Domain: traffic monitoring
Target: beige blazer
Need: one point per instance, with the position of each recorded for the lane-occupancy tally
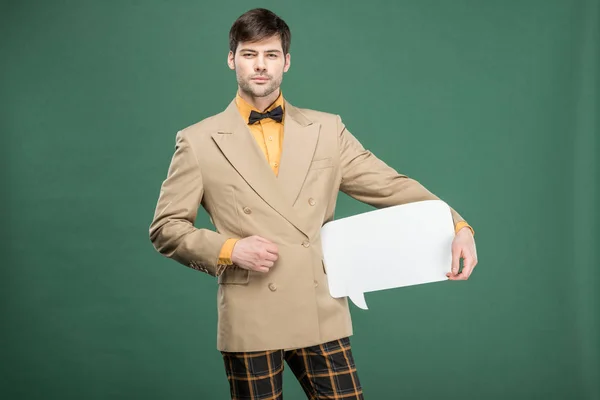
(218, 164)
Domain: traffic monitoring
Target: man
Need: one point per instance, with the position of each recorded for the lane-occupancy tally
(268, 174)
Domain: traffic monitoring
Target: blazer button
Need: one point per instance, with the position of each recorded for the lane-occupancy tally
(316, 283)
(272, 287)
(312, 201)
(247, 210)
(306, 243)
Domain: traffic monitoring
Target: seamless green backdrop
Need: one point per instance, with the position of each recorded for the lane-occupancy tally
(492, 105)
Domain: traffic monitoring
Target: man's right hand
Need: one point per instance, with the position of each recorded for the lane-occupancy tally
(255, 253)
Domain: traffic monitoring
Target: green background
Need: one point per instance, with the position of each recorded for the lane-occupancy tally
(492, 105)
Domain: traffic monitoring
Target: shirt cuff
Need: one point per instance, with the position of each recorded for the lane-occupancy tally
(226, 251)
(463, 224)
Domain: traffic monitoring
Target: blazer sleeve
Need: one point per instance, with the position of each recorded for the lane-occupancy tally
(172, 230)
(369, 180)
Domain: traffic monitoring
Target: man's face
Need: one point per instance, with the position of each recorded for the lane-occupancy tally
(259, 66)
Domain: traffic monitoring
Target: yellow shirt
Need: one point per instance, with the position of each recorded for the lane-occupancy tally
(269, 136)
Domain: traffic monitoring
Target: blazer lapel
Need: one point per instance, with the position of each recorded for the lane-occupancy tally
(241, 150)
(299, 143)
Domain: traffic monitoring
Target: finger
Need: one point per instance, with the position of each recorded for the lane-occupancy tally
(453, 277)
(459, 277)
(272, 248)
(255, 267)
(456, 253)
(468, 265)
(262, 239)
(271, 257)
(267, 264)
(465, 273)
(261, 269)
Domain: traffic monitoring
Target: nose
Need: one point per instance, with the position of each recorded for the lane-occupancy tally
(260, 66)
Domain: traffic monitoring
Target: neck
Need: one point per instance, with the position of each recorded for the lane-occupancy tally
(260, 103)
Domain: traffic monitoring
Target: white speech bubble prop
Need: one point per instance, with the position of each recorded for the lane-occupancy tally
(397, 246)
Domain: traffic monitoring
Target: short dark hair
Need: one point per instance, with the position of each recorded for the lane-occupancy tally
(258, 24)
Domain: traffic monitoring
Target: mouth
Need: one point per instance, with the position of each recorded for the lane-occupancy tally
(260, 79)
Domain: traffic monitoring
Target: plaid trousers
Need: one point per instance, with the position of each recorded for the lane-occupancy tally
(325, 371)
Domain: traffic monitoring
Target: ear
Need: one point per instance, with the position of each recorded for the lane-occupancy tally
(287, 62)
(230, 60)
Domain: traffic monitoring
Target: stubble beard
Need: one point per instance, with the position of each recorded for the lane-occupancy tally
(259, 91)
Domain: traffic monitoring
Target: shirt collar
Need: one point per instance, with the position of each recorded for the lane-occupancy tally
(244, 108)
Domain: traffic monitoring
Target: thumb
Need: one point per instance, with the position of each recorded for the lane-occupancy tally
(455, 260)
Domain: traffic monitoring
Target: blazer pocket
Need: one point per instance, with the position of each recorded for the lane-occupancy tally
(322, 163)
(234, 275)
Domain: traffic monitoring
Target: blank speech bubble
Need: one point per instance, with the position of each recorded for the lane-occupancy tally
(397, 246)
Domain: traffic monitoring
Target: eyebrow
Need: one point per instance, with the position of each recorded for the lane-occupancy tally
(266, 51)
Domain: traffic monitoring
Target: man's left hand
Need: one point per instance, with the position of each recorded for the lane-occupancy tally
(463, 246)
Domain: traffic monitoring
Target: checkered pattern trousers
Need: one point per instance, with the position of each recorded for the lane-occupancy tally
(325, 371)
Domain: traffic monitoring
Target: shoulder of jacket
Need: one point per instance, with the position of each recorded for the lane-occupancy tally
(316, 115)
(201, 128)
